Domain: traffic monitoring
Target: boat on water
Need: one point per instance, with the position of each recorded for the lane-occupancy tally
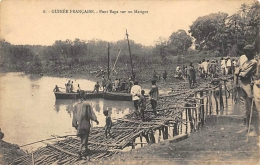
(87, 95)
(117, 96)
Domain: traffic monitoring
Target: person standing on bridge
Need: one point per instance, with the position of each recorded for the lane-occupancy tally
(243, 80)
(136, 92)
(154, 96)
(82, 114)
(142, 104)
(191, 75)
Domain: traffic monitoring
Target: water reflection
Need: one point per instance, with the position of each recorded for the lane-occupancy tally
(30, 102)
(115, 108)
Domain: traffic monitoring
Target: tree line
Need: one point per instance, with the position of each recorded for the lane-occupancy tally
(216, 32)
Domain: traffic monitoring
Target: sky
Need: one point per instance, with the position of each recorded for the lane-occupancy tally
(35, 22)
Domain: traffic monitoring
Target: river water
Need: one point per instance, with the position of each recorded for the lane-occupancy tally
(29, 111)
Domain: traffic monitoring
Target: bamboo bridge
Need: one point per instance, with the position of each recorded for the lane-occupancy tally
(183, 111)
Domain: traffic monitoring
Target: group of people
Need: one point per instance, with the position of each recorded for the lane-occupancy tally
(139, 98)
(116, 86)
(83, 113)
(208, 68)
(227, 65)
(69, 87)
(211, 68)
(157, 77)
(246, 78)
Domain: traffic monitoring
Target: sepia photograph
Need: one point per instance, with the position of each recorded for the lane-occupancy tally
(129, 82)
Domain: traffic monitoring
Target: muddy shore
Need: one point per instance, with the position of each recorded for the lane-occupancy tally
(9, 152)
(216, 144)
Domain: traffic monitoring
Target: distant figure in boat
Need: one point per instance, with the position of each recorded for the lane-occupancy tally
(68, 86)
(130, 84)
(154, 96)
(108, 123)
(71, 87)
(142, 104)
(56, 89)
(80, 92)
(1, 134)
(82, 114)
(116, 85)
(136, 92)
(122, 87)
(109, 86)
(103, 83)
(79, 89)
(96, 87)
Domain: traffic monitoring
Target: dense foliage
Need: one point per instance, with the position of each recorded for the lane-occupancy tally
(217, 31)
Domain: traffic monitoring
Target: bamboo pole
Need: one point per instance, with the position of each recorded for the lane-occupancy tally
(210, 102)
(190, 119)
(221, 104)
(60, 149)
(202, 116)
(32, 159)
(130, 55)
(216, 101)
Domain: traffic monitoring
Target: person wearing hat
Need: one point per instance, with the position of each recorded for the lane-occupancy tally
(244, 77)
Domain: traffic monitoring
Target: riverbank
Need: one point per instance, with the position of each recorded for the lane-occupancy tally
(213, 144)
(9, 152)
(86, 74)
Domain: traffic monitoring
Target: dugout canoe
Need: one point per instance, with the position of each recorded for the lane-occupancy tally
(88, 95)
(117, 96)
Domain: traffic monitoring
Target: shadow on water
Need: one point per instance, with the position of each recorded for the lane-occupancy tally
(117, 109)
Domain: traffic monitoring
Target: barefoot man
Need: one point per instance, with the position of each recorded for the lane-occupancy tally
(82, 114)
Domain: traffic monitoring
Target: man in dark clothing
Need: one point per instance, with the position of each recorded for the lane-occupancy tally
(109, 86)
(164, 75)
(154, 96)
(56, 89)
(96, 87)
(108, 123)
(191, 75)
(142, 104)
(82, 114)
(123, 85)
(155, 75)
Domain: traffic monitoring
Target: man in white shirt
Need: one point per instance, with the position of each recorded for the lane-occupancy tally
(136, 92)
(228, 66)
(223, 66)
